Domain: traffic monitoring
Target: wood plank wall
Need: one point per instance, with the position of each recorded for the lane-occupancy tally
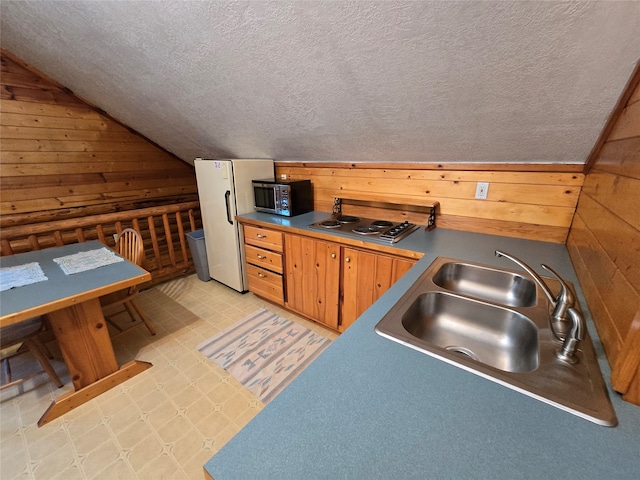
(62, 158)
(604, 242)
(526, 201)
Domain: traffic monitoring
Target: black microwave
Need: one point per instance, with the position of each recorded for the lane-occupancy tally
(283, 197)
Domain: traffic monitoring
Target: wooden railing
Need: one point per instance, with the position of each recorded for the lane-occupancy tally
(162, 228)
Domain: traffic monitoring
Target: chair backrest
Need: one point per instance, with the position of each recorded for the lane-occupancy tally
(19, 332)
(130, 246)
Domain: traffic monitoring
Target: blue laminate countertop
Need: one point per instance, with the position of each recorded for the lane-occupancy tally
(371, 408)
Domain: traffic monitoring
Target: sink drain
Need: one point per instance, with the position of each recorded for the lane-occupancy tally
(462, 351)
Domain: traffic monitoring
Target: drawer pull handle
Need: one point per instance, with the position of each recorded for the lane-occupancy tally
(347, 259)
(262, 275)
(260, 236)
(333, 255)
(261, 256)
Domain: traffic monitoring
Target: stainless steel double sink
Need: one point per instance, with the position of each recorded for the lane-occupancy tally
(495, 323)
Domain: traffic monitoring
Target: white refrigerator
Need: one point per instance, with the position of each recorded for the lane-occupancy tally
(225, 190)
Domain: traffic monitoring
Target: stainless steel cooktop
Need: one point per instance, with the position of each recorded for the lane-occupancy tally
(384, 230)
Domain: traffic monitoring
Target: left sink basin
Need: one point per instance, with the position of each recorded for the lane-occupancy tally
(495, 336)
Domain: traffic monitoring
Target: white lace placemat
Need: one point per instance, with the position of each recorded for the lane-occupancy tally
(21, 275)
(83, 261)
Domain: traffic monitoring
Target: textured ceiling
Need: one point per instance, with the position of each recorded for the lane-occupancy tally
(388, 81)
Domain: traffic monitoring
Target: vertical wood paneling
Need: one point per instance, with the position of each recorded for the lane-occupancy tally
(359, 271)
(313, 275)
(366, 277)
(604, 243)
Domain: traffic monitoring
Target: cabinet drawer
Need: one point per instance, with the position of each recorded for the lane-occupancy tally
(265, 284)
(262, 237)
(264, 258)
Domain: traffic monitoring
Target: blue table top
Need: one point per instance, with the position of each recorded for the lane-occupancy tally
(58, 285)
(371, 408)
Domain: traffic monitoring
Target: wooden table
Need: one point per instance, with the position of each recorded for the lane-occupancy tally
(72, 305)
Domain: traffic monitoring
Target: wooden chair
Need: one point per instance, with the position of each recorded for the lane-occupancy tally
(22, 337)
(129, 246)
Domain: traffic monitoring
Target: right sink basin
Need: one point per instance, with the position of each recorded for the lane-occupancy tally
(494, 323)
(487, 283)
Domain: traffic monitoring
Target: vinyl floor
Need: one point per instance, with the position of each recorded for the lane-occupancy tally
(164, 423)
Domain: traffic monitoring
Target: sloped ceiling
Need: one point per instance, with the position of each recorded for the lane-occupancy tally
(388, 81)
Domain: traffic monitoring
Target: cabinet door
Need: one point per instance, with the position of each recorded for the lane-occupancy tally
(313, 278)
(366, 276)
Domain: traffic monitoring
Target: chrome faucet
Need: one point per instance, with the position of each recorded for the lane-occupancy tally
(573, 338)
(561, 304)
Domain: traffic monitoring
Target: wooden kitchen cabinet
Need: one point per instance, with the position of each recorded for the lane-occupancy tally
(365, 277)
(313, 278)
(333, 284)
(263, 255)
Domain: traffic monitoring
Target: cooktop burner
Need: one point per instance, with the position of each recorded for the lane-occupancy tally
(348, 219)
(384, 230)
(367, 229)
(382, 223)
(330, 224)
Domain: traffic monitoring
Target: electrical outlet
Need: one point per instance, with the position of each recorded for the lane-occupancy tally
(482, 188)
(283, 176)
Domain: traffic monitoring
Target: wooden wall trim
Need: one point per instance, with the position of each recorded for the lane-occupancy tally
(626, 370)
(481, 167)
(41, 76)
(627, 93)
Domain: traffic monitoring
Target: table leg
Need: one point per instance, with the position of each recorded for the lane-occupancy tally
(82, 334)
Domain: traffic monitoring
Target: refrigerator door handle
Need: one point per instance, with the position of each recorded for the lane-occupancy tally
(226, 201)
